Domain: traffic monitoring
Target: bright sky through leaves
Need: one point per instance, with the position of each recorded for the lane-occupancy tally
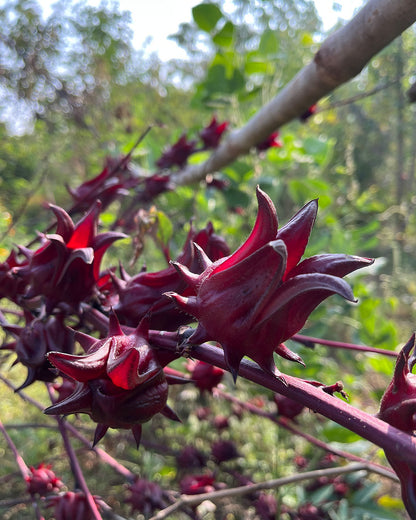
(153, 22)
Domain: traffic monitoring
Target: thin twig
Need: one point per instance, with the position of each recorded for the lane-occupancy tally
(24, 470)
(214, 496)
(75, 466)
(290, 426)
(24, 205)
(357, 97)
(300, 338)
(104, 456)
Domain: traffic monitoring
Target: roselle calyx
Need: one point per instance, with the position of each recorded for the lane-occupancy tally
(177, 154)
(260, 296)
(211, 135)
(12, 287)
(205, 376)
(143, 293)
(34, 341)
(42, 480)
(65, 269)
(73, 505)
(146, 496)
(398, 408)
(120, 381)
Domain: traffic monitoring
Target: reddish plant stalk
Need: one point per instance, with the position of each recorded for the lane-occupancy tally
(24, 470)
(378, 432)
(75, 466)
(340, 344)
(104, 456)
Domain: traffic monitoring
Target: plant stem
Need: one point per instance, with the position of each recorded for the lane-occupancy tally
(104, 456)
(340, 344)
(291, 427)
(75, 466)
(398, 443)
(193, 500)
(24, 470)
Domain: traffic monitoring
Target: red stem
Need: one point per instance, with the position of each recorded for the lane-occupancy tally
(104, 456)
(24, 470)
(340, 344)
(398, 443)
(75, 466)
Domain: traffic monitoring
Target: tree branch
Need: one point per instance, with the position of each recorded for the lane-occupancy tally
(193, 500)
(341, 57)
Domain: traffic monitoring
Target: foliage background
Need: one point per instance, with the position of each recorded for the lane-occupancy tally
(82, 93)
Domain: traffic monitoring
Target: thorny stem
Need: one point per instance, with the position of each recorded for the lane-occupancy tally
(300, 338)
(75, 466)
(398, 443)
(193, 500)
(291, 427)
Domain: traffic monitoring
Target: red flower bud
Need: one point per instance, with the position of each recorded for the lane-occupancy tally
(66, 267)
(42, 480)
(121, 383)
(107, 186)
(287, 407)
(144, 292)
(266, 506)
(398, 408)
(197, 484)
(205, 376)
(146, 497)
(308, 113)
(154, 186)
(224, 450)
(190, 457)
(11, 286)
(73, 506)
(255, 299)
(271, 142)
(35, 340)
(178, 154)
(211, 134)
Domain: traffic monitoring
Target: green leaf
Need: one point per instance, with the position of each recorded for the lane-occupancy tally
(224, 36)
(236, 198)
(206, 16)
(365, 494)
(336, 433)
(165, 228)
(269, 44)
(322, 494)
(257, 67)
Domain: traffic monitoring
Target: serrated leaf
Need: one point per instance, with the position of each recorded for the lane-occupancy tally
(206, 16)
